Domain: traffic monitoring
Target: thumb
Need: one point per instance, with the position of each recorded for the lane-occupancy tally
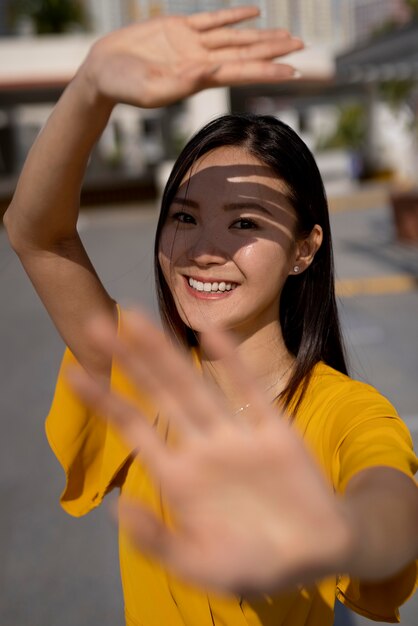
(146, 531)
(153, 538)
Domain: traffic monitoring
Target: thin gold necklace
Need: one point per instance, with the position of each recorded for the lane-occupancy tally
(244, 407)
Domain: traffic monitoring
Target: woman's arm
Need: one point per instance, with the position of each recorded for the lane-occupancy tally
(148, 64)
(41, 220)
(382, 508)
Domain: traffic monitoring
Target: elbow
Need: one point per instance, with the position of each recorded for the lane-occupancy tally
(13, 225)
(28, 233)
(8, 227)
(23, 233)
(13, 231)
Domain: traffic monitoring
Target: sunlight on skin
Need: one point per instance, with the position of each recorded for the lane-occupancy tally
(232, 221)
(204, 238)
(229, 528)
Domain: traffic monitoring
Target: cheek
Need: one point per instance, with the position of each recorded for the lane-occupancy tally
(167, 250)
(173, 243)
(247, 254)
(164, 263)
(166, 242)
(263, 258)
(172, 254)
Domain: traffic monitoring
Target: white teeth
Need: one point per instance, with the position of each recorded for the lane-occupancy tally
(210, 287)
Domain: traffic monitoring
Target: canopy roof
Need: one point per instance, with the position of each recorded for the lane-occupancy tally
(391, 56)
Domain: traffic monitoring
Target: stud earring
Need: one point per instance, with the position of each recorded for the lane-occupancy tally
(296, 269)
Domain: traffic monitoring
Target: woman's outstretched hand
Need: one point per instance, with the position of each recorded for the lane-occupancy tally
(160, 61)
(251, 510)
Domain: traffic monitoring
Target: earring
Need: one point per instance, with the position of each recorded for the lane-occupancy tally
(296, 269)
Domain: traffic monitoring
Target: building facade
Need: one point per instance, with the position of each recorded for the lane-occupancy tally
(149, 8)
(336, 24)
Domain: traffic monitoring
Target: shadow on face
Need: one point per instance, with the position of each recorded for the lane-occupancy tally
(229, 192)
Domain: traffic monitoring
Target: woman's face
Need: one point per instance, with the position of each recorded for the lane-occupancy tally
(228, 243)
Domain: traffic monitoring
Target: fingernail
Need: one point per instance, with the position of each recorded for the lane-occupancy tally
(296, 74)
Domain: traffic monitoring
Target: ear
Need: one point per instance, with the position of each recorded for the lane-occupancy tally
(305, 250)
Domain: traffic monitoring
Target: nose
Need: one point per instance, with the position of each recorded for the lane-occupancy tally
(205, 250)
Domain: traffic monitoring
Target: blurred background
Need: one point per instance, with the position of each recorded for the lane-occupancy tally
(356, 106)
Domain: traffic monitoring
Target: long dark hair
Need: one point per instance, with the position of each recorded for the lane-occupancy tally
(308, 309)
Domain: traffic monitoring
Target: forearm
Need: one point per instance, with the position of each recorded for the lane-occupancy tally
(382, 506)
(45, 206)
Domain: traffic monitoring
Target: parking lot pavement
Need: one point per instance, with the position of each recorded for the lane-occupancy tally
(377, 280)
(379, 311)
(57, 570)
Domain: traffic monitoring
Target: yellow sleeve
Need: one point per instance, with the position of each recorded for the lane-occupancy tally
(376, 441)
(379, 437)
(88, 449)
(378, 601)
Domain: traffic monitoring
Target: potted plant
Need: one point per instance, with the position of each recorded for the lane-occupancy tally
(349, 134)
(404, 194)
(404, 198)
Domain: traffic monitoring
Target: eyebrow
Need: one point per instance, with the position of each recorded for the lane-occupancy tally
(185, 202)
(231, 206)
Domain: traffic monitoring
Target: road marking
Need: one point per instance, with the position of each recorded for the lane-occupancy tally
(358, 199)
(374, 285)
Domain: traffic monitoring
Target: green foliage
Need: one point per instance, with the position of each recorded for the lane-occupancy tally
(52, 16)
(391, 25)
(386, 27)
(350, 131)
(397, 92)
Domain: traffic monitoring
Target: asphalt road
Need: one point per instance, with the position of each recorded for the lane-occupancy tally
(58, 571)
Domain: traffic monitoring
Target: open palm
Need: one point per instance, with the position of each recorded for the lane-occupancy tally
(159, 61)
(250, 508)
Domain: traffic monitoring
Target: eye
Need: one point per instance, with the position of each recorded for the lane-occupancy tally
(183, 217)
(244, 223)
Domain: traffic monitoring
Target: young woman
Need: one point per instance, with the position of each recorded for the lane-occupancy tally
(258, 481)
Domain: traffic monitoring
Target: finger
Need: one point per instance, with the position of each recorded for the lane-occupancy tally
(270, 49)
(169, 376)
(132, 425)
(215, 19)
(250, 73)
(162, 372)
(173, 551)
(223, 37)
(147, 531)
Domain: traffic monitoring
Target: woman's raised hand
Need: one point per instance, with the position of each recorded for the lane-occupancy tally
(251, 510)
(162, 60)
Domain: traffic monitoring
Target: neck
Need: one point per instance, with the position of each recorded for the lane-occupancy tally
(265, 354)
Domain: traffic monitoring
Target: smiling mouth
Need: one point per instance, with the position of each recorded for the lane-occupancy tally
(211, 287)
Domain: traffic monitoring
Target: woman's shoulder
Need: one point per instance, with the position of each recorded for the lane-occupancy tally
(335, 401)
(350, 425)
(335, 386)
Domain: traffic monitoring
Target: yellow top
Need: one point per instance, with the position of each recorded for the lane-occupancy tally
(347, 424)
